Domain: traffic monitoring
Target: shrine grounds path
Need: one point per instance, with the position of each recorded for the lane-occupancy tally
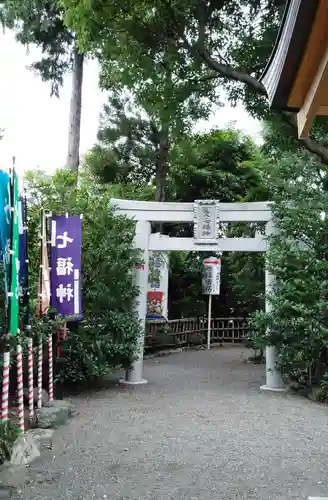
(201, 429)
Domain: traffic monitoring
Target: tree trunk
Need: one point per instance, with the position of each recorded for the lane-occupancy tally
(161, 165)
(74, 130)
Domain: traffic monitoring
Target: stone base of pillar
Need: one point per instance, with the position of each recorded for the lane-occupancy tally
(133, 375)
(123, 381)
(274, 380)
(273, 389)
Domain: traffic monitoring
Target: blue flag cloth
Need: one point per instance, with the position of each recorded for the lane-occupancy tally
(24, 298)
(5, 225)
(23, 270)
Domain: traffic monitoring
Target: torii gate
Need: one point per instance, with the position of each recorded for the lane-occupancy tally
(206, 216)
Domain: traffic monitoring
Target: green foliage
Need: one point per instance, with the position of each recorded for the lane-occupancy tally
(185, 298)
(298, 322)
(44, 326)
(201, 38)
(109, 333)
(9, 432)
(216, 165)
(246, 281)
(211, 45)
(129, 143)
(92, 350)
(281, 137)
(224, 165)
(136, 136)
(136, 146)
(323, 391)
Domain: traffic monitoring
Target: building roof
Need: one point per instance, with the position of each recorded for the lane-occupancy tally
(296, 76)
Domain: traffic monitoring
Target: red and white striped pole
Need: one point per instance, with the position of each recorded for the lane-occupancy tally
(39, 402)
(30, 379)
(51, 371)
(5, 386)
(20, 394)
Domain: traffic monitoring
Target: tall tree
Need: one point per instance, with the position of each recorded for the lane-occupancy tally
(129, 146)
(232, 39)
(171, 97)
(41, 23)
(137, 136)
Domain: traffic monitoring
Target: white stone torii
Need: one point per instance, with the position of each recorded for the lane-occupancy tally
(145, 212)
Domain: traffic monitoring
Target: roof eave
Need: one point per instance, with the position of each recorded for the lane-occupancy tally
(280, 73)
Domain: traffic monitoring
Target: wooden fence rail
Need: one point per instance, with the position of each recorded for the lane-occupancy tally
(194, 330)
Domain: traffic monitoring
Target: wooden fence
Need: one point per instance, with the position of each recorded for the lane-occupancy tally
(194, 331)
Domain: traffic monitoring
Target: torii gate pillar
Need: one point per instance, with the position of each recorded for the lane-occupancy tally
(274, 381)
(134, 375)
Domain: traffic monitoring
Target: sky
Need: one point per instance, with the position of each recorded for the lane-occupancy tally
(36, 125)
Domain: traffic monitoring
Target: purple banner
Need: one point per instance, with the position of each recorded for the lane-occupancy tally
(65, 261)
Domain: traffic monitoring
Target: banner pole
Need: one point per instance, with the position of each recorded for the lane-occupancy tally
(40, 353)
(30, 378)
(50, 366)
(50, 336)
(209, 321)
(5, 386)
(6, 354)
(10, 296)
(30, 360)
(20, 393)
(39, 400)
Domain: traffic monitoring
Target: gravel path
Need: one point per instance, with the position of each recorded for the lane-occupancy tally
(201, 429)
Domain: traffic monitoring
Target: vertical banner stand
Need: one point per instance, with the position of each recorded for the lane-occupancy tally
(20, 394)
(209, 319)
(14, 293)
(50, 337)
(5, 386)
(30, 378)
(40, 350)
(39, 400)
(30, 360)
(6, 354)
(51, 371)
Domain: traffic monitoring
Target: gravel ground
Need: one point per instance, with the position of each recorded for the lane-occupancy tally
(201, 429)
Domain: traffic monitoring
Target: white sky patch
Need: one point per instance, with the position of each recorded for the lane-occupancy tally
(36, 125)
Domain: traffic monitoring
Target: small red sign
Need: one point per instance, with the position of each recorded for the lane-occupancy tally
(215, 262)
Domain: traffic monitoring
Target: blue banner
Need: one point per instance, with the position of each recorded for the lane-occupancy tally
(5, 225)
(23, 268)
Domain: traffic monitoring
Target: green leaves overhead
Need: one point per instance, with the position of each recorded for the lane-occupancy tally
(128, 143)
(216, 165)
(231, 39)
(215, 44)
(298, 321)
